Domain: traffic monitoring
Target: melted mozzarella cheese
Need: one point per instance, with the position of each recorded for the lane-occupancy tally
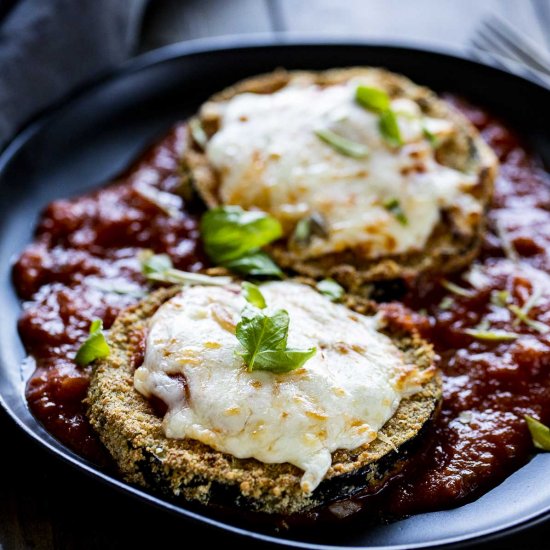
(339, 399)
(268, 157)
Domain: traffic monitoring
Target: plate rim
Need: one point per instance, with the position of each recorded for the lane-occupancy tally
(212, 45)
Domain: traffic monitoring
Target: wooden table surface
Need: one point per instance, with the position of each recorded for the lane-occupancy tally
(43, 503)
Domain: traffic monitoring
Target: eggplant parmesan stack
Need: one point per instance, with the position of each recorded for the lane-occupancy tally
(273, 399)
(371, 176)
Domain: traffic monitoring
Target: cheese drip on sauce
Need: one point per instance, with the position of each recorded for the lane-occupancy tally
(339, 399)
(268, 156)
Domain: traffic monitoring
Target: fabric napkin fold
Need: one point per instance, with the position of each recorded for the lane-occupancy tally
(48, 48)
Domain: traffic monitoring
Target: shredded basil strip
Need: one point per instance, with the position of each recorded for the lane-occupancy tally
(94, 347)
(342, 145)
(159, 268)
(539, 433)
(394, 207)
(372, 99)
(198, 133)
(492, 335)
(389, 128)
(455, 289)
(522, 317)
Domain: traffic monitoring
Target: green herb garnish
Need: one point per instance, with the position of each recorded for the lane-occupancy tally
(431, 137)
(539, 432)
(342, 145)
(308, 227)
(446, 303)
(159, 268)
(256, 264)
(522, 317)
(264, 341)
(253, 295)
(233, 237)
(389, 128)
(394, 207)
(112, 287)
(492, 335)
(506, 243)
(455, 289)
(198, 133)
(373, 99)
(331, 289)
(500, 298)
(94, 347)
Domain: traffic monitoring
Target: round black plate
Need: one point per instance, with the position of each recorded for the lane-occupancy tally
(92, 137)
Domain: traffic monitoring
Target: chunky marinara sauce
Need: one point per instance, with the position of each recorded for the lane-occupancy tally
(83, 264)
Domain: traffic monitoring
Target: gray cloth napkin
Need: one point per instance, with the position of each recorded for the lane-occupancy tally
(50, 47)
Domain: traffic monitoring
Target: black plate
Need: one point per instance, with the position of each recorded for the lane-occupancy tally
(90, 138)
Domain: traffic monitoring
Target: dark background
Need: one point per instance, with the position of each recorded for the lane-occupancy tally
(43, 503)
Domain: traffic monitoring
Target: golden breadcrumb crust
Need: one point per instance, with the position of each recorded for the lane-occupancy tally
(184, 468)
(449, 248)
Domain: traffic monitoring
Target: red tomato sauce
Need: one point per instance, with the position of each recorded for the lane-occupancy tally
(480, 435)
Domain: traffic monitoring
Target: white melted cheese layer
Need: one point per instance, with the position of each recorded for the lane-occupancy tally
(339, 399)
(268, 157)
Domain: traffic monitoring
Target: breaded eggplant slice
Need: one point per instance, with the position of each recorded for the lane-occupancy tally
(454, 240)
(186, 469)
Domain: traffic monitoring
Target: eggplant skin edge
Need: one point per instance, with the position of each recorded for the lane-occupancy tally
(188, 470)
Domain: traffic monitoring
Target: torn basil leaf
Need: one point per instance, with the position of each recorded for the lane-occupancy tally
(343, 145)
(373, 99)
(253, 295)
(264, 342)
(394, 207)
(389, 128)
(539, 432)
(94, 347)
(233, 237)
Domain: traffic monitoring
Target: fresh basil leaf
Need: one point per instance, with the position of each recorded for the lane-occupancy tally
(94, 347)
(229, 232)
(342, 145)
(372, 99)
(331, 289)
(256, 264)
(261, 332)
(264, 341)
(539, 432)
(253, 295)
(394, 207)
(389, 128)
(281, 361)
